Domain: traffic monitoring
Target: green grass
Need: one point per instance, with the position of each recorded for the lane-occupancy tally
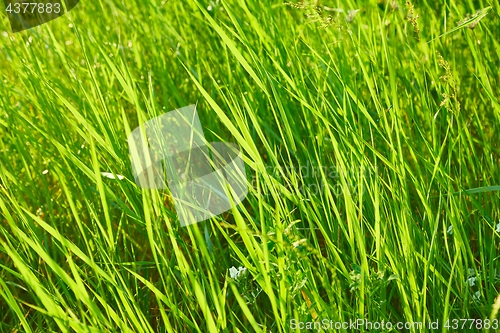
(371, 150)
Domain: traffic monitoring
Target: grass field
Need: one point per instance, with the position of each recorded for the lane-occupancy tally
(371, 146)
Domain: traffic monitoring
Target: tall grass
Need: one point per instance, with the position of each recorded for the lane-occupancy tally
(370, 147)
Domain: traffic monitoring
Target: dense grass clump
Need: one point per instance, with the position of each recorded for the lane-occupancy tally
(369, 130)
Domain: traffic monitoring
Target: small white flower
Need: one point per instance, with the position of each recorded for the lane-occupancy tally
(477, 296)
(44, 172)
(232, 272)
(471, 281)
(235, 273)
(450, 230)
(498, 228)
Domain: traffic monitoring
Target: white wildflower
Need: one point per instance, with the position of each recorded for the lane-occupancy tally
(477, 296)
(498, 228)
(235, 273)
(471, 281)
